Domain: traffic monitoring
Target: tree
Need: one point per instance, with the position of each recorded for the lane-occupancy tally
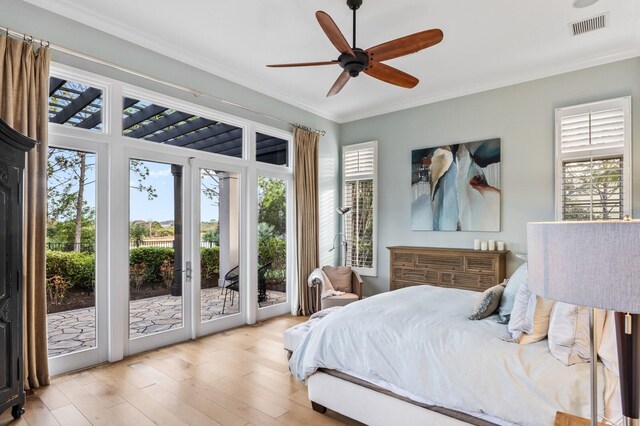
(211, 237)
(69, 174)
(210, 183)
(141, 172)
(137, 231)
(272, 199)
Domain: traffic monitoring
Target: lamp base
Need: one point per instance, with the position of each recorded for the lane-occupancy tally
(628, 338)
(627, 421)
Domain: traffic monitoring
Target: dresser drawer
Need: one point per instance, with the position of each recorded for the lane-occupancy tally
(421, 276)
(403, 259)
(448, 262)
(487, 264)
(467, 281)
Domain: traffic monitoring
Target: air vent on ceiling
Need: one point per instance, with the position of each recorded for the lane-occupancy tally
(590, 24)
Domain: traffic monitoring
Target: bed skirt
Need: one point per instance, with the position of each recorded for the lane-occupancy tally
(373, 405)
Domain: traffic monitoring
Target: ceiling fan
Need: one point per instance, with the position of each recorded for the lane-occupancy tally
(354, 60)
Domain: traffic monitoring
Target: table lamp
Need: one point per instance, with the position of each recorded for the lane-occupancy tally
(597, 265)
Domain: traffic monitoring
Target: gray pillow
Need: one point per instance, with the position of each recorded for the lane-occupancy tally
(518, 278)
(487, 303)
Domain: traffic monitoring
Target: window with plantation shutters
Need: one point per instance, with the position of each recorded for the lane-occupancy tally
(359, 193)
(593, 172)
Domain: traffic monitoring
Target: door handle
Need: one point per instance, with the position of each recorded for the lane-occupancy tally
(188, 270)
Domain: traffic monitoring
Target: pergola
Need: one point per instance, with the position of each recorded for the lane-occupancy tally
(80, 106)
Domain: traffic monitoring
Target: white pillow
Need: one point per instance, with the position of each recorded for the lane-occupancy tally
(538, 315)
(514, 283)
(529, 322)
(570, 334)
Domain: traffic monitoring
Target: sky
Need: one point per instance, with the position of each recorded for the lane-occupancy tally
(160, 208)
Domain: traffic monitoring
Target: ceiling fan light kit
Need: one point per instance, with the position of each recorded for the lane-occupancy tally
(354, 60)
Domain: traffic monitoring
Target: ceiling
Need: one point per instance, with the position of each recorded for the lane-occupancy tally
(487, 44)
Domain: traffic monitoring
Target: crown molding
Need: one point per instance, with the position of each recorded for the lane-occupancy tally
(110, 27)
(542, 72)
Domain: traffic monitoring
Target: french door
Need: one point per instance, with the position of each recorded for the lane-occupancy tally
(219, 292)
(186, 260)
(77, 273)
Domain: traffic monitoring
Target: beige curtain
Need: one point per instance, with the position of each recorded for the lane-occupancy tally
(307, 221)
(24, 94)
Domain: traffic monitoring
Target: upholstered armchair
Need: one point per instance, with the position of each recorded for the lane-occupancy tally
(340, 285)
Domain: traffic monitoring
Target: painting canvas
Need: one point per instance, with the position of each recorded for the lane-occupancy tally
(456, 187)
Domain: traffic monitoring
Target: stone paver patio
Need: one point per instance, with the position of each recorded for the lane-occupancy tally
(74, 330)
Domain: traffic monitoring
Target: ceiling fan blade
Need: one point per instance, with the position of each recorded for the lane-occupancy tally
(339, 84)
(303, 64)
(391, 75)
(333, 32)
(405, 45)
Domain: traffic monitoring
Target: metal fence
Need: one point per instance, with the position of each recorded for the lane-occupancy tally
(90, 248)
(83, 247)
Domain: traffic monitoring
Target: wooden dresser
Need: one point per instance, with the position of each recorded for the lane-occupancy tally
(446, 267)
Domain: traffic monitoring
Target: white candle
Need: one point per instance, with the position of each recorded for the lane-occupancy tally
(476, 244)
(483, 246)
(501, 245)
(492, 244)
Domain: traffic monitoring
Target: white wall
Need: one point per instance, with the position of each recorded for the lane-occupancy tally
(523, 117)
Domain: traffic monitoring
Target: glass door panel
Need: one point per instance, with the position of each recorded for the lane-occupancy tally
(71, 249)
(220, 292)
(155, 248)
(272, 241)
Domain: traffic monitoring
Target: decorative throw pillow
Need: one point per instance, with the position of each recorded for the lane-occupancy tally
(569, 333)
(340, 277)
(518, 278)
(487, 303)
(529, 322)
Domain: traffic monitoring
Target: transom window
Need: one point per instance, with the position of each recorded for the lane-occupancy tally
(75, 104)
(155, 123)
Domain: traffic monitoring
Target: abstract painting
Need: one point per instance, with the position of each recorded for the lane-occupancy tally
(456, 187)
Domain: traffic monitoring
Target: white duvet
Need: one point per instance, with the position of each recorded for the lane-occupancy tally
(418, 342)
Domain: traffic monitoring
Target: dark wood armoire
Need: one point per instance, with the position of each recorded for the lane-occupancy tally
(13, 147)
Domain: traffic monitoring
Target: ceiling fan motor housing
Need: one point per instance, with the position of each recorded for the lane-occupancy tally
(354, 65)
(354, 4)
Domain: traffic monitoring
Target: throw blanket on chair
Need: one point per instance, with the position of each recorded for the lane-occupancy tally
(318, 277)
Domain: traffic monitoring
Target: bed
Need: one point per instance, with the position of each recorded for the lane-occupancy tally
(412, 356)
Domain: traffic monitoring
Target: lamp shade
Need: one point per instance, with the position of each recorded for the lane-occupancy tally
(592, 264)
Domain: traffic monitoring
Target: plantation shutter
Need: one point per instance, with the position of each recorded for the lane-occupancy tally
(359, 194)
(592, 189)
(591, 148)
(593, 131)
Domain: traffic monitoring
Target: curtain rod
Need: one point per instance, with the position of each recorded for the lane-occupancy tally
(195, 93)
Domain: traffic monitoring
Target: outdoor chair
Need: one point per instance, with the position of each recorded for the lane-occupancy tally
(262, 283)
(232, 284)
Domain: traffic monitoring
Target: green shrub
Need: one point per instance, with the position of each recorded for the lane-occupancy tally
(153, 258)
(78, 269)
(273, 249)
(210, 262)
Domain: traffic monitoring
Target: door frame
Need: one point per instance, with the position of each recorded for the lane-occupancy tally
(99, 353)
(198, 327)
(167, 337)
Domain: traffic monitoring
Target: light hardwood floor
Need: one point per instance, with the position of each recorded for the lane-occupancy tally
(235, 378)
